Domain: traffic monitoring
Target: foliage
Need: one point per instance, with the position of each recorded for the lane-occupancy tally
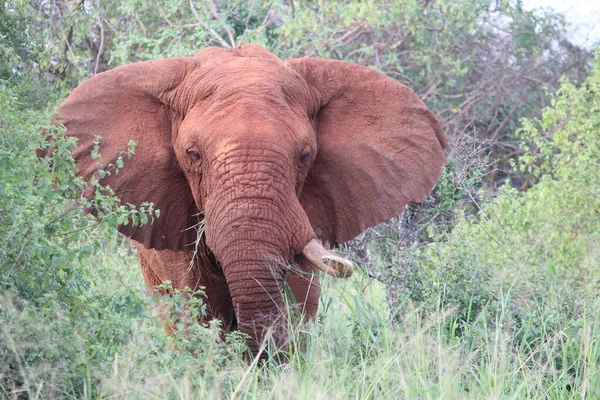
(13, 37)
(480, 299)
(47, 287)
(530, 255)
(42, 201)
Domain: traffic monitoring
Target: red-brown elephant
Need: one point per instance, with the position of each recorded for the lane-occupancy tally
(276, 156)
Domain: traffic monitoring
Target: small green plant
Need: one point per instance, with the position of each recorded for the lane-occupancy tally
(182, 310)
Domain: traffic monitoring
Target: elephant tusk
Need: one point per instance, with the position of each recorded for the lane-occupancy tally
(327, 262)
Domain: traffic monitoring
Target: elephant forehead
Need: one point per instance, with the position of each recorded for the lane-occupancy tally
(252, 76)
(254, 137)
(253, 110)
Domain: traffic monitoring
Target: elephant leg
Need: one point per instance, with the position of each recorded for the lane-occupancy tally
(303, 281)
(183, 270)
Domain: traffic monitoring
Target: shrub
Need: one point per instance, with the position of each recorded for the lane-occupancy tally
(526, 264)
(53, 317)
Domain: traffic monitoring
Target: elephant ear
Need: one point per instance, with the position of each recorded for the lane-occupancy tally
(378, 148)
(133, 103)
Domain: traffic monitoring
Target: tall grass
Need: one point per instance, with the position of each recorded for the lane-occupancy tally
(358, 349)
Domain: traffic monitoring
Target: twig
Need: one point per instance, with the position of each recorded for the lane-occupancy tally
(100, 48)
(211, 30)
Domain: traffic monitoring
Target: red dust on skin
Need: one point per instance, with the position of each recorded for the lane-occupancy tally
(276, 157)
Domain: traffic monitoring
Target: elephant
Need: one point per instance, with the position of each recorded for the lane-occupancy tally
(277, 160)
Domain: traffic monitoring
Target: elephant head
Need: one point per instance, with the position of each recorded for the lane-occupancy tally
(272, 155)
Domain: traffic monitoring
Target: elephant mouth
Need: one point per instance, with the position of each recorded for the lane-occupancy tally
(333, 265)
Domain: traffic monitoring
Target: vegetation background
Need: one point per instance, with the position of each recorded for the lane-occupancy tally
(489, 289)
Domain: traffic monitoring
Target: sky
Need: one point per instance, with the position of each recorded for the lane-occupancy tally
(583, 17)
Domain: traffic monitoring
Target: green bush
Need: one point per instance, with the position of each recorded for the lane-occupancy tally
(528, 263)
(55, 317)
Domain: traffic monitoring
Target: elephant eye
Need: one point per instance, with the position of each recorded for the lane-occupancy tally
(304, 158)
(194, 155)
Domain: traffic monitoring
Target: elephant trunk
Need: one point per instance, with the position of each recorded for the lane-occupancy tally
(254, 239)
(256, 292)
